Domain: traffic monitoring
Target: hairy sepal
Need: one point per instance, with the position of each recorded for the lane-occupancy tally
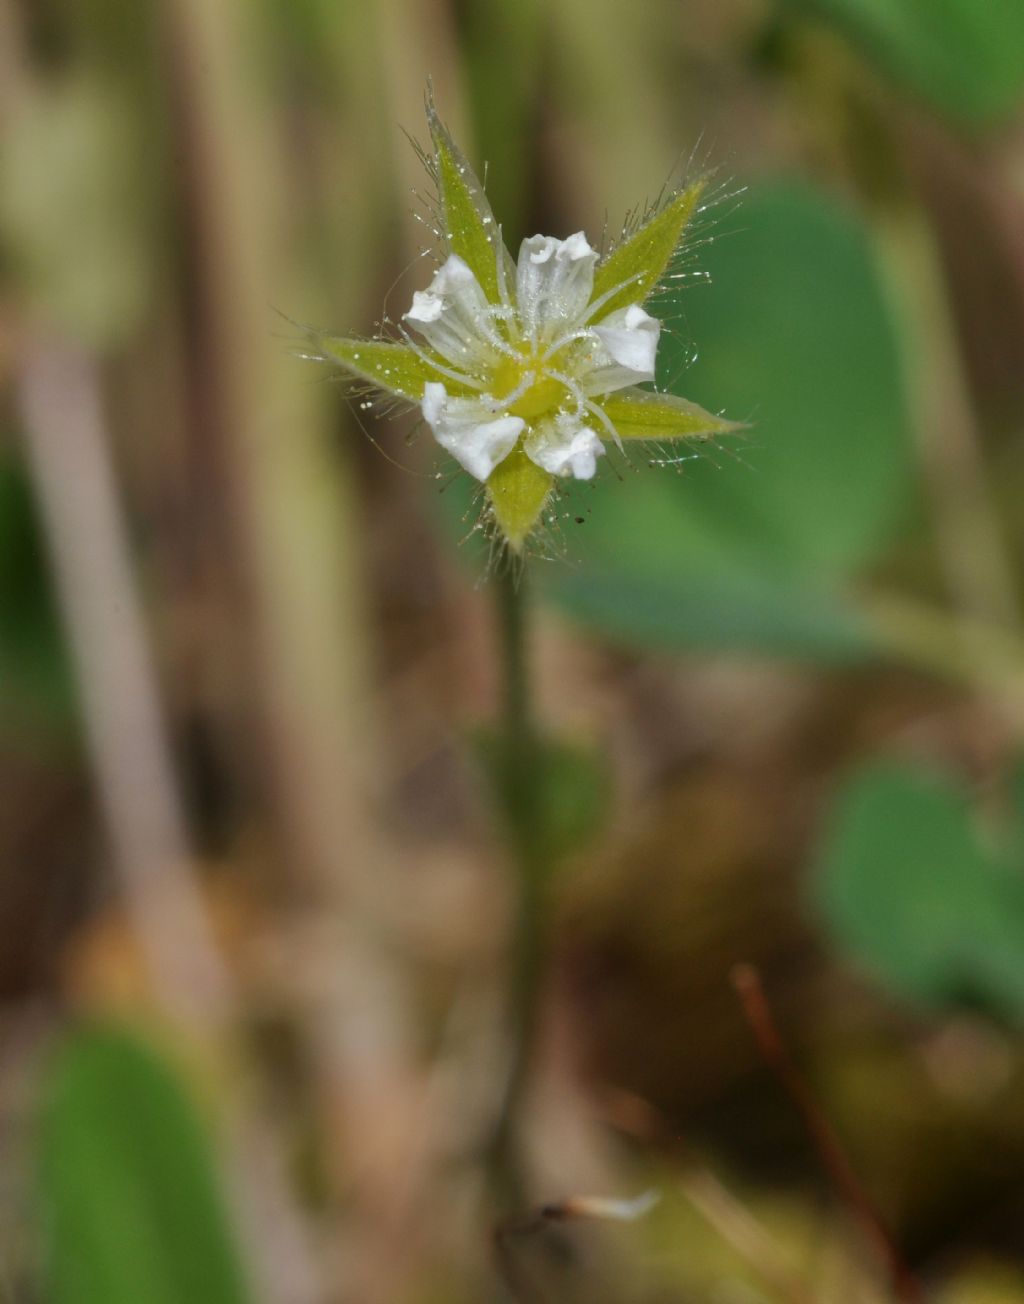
(469, 226)
(517, 491)
(638, 414)
(638, 264)
(386, 364)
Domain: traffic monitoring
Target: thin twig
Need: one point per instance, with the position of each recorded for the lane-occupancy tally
(72, 473)
(574, 1209)
(747, 983)
(745, 1233)
(733, 1221)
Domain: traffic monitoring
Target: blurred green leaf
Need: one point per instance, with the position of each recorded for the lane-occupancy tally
(131, 1213)
(35, 674)
(910, 885)
(965, 57)
(740, 612)
(749, 543)
(76, 208)
(795, 335)
(576, 789)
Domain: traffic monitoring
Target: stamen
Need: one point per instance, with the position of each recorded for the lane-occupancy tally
(572, 387)
(459, 377)
(506, 401)
(584, 404)
(606, 421)
(500, 262)
(563, 341)
(608, 294)
(495, 340)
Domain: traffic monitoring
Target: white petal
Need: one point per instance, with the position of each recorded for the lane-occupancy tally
(425, 307)
(623, 351)
(631, 337)
(454, 317)
(564, 447)
(465, 428)
(554, 281)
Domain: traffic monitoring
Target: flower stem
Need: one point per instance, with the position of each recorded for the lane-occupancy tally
(521, 778)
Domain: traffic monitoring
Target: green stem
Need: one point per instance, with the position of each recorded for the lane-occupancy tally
(523, 796)
(516, 707)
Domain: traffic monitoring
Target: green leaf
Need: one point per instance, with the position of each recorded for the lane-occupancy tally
(36, 679)
(388, 365)
(748, 542)
(640, 261)
(469, 226)
(911, 886)
(130, 1209)
(965, 57)
(795, 335)
(714, 611)
(637, 414)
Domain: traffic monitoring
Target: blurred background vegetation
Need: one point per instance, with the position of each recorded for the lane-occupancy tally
(253, 911)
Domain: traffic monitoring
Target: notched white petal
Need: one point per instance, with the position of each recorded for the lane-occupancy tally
(625, 349)
(453, 316)
(565, 447)
(465, 428)
(426, 307)
(554, 280)
(631, 337)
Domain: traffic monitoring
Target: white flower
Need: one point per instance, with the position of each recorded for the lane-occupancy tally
(523, 370)
(533, 359)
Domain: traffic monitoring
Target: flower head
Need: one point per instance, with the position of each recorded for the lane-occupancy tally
(524, 369)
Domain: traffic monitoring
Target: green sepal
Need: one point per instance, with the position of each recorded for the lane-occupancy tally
(517, 490)
(386, 364)
(641, 260)
(638, 414)
(469, 226)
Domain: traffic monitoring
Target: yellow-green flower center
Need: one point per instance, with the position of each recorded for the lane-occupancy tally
(545, 396)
